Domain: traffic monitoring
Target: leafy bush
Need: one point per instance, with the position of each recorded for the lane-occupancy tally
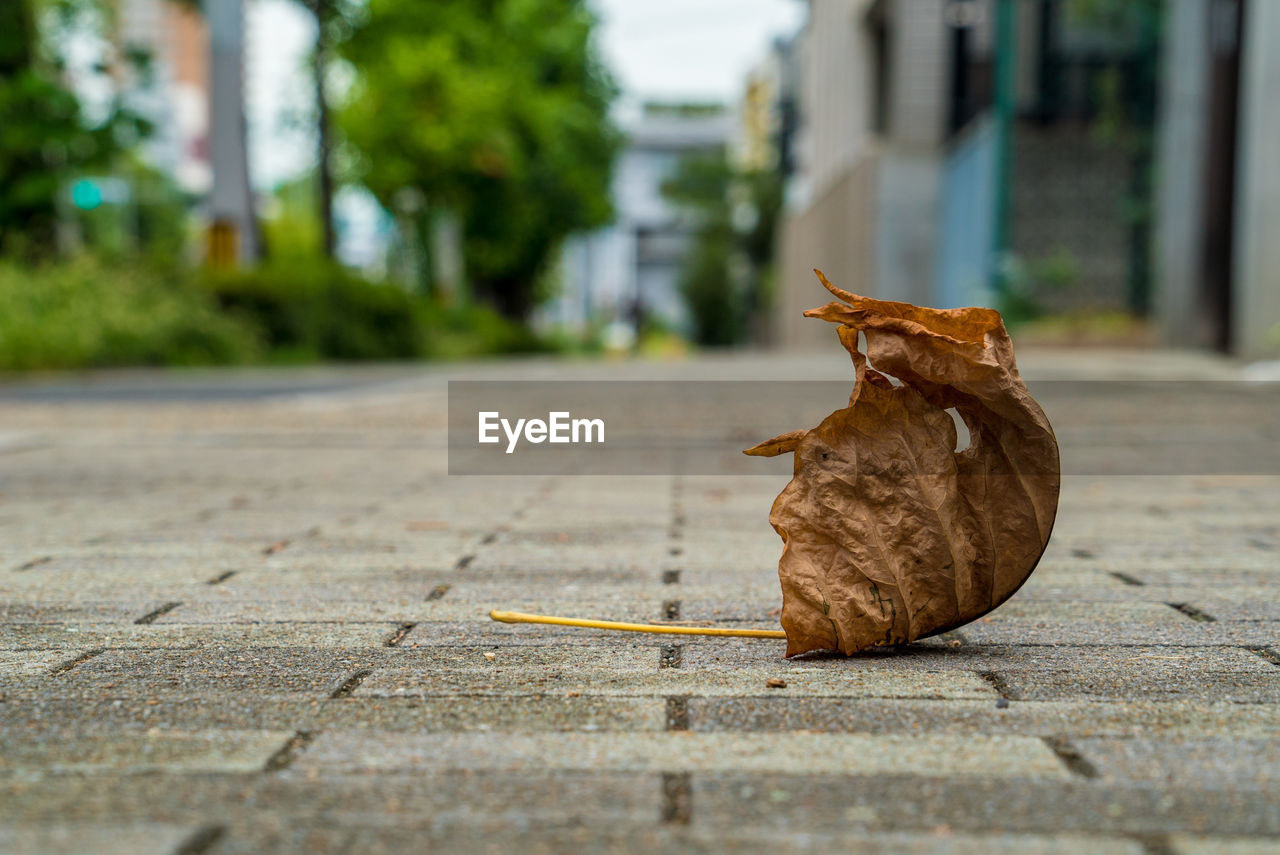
(459, 332)
(88, 313)
(308, 311)
(85, 314)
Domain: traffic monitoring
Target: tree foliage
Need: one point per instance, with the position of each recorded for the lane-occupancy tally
(734, 214)
(45, 138)
(496, 110)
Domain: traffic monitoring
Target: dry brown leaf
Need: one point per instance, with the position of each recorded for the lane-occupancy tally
(891, 534)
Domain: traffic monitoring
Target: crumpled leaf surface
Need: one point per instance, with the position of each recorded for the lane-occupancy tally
(891, 534)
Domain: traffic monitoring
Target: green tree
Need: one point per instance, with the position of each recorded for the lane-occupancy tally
(332, 19)
(734, 214)
(494, 110)
(44, 136)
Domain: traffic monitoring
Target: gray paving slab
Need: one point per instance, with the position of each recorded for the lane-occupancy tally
(125, 839)
(127, 752)
(830, 803)
(56, 636)
(798, 681)
(1220, 762)
(997, 756)
(1028, 718)
(247, 612)
(643, 840)
(1185, 844)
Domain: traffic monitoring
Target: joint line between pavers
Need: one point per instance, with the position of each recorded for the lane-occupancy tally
(288, 752)
(677, 798)
(273, 548)
(677, 713)
(78, 660)
(351, 684)
(1192, 612)
(999, 684)
(1154, 844)
(1270, 654)
(150, 617)
(201, 840)
(1071, 757)
(399, 635)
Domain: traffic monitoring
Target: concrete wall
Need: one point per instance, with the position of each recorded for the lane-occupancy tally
(919, 61)
(908, 212)
(1181, 141)
(835, 95)
(1256, 296)
(865, 207)
(1182, 152)
(836, 234)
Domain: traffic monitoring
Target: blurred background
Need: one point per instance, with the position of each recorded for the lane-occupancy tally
(289, 181)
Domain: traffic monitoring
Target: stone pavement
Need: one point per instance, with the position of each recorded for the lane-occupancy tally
(246, 612)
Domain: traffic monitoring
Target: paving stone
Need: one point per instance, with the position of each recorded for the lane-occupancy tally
(142, 673)
(488, 633)
(165, 752)
(1183, 844)
(677, 752)
(1023, 718)
(128, 839)
(122, 611)
(1022, 609)
(1185, 633)
(156, 635)
(649, 839)
(30, 663)
(403, 608)
(424, 799)
(263, 835)
(27, 716)
(800, 682)
(985, 805)
(1221, 762)
(1121, 673)
(1171, 673)
(1086, 715)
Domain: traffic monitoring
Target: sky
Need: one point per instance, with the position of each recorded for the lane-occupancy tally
(685, 50)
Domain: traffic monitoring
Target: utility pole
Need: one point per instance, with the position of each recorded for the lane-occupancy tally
(233, 236)
(1005, 104)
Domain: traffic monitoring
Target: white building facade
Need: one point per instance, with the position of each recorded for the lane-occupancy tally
(630, 269)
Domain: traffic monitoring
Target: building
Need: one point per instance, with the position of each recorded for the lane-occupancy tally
(1218, 203)
(764, 132)
(914, 181)
(176, 39)
(630, 269)
(195, 100)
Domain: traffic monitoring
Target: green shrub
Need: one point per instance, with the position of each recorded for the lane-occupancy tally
(84, 314)
(311, 310)
(459, 332)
